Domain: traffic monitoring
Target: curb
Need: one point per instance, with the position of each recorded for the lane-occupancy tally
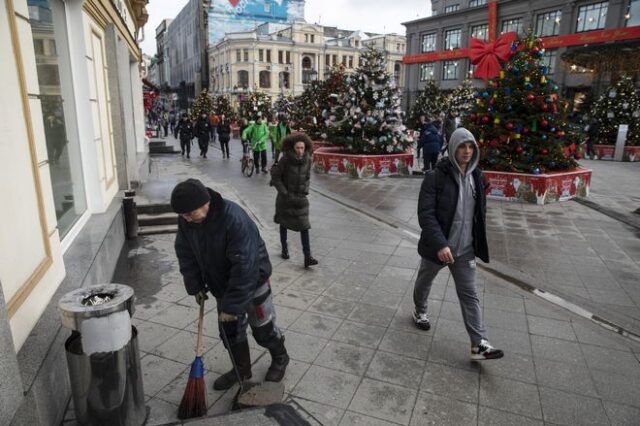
(499, 270)
(621, 217)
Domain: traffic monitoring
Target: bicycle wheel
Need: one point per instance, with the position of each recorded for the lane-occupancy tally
(243, 165)
(250, 167)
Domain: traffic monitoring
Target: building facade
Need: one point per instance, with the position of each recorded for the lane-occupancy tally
(73, 121)
(283, 58)
(163, 52)
(437, 45)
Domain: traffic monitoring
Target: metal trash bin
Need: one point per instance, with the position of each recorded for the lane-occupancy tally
(103, 356)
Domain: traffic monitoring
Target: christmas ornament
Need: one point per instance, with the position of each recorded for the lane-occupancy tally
(519, 149)
(536, 171)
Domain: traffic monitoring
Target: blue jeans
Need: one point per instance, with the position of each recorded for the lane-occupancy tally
(304, 237)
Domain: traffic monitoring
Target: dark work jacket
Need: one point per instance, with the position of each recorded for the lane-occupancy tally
(291, 178)
(185, 130)
(437, 206)
(225, 254)
(202, 129)
(224, 131)
(431, 140)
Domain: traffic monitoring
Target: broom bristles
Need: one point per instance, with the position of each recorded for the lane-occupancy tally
(194, 400)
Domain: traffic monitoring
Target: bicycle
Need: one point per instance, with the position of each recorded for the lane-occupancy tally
(247, 165)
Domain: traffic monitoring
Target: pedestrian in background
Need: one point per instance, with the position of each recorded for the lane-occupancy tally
(279, 131)
(451, 213)
(224, 134)
(291, 178)
(214, 120)
(431, 145)
(220, 250)
(592, 139)
(257, 134)
(184, 130)
(422, 126)
(172, 122)
(202, 131)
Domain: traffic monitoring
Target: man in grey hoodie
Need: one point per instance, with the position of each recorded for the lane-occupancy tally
(451, 212)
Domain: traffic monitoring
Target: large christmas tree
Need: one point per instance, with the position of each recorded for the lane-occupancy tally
(461, 100)
(284, 105)
(312, 106)
(203, 104)
(257, 102)
(430, 103)
(367, 117)
(619, 104)
(222, 106)
(519, 118)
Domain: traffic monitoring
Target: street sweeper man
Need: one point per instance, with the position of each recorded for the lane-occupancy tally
(220, 250)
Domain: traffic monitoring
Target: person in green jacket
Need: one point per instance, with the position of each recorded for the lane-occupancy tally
(257, 134)
(278, 132)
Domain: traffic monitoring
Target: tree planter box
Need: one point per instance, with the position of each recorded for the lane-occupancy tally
(320, 144)
(538, 189)
(605, 152)
(335, 161)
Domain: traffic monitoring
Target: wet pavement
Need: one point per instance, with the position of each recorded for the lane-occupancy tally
(357, 359)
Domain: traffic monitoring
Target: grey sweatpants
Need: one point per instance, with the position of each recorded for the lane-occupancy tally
(464, 276)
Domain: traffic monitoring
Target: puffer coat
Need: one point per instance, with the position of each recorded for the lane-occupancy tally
(291, 178)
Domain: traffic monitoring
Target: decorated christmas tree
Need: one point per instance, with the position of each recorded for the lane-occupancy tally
(284, 105)
(367, 117)
(312, 106)
(222, 106)
(203, 104)
(257, 102)
(619, 104)
(461, 100)
(519, 118)
(430, 103)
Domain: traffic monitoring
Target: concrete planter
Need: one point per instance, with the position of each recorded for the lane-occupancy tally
(538, 189)
(606, 152)
(335, 161)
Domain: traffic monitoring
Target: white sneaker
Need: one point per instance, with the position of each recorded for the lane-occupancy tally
(485, 351)
(421, 321)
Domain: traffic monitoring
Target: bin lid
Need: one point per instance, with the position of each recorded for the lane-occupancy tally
(95, 301)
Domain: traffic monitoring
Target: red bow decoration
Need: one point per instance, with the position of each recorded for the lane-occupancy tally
(487, 55)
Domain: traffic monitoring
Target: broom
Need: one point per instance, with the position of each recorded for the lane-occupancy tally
(194, 400)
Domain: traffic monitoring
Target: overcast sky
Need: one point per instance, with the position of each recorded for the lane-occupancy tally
(367, 15)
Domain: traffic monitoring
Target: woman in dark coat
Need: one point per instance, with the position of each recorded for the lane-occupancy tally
(224, 133)
(291, 178)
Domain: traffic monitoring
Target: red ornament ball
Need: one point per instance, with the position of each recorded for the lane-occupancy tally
(544, 123)
(544, 107)
(525, 130)
(545, 151)
(509, 126)
(519, 149)
(530, 97)
(535, 50)
(578, 156)
(473, 117)
(485, 119)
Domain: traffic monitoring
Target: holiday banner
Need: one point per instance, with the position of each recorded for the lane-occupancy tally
(606, 152)
(332, 161)
(538, 189)
(232, 16)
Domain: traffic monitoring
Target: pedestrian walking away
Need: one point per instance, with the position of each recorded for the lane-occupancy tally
(278, 132)
(431, 145)
(172, 122)
(257, 134)
(422, 127)
(220, 251)
(451, 213)
(291, 177)
(224, 134)
(592, 138)
(214, 120)
(184, 130)
(202, 132)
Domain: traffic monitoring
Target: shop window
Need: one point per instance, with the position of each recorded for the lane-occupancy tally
(592, 16)
(265, 79)
(428, 43)
(450, 70)
(548, 24)
(243, 79)
(452, 39)
(481, 32)
(512, 25)
(426, 71)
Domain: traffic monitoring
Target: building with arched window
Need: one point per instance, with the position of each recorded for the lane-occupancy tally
(283, 58)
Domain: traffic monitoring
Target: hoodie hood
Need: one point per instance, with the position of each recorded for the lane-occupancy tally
(458, 137)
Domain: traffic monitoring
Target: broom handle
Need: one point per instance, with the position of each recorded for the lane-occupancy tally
(200, 321)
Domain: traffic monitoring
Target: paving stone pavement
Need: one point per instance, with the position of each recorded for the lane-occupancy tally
(357, 359)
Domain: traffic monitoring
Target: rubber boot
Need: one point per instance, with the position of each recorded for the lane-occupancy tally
(240, 353)
(279, 362)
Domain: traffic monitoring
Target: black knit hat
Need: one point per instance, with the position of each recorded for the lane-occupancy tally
(188, 196)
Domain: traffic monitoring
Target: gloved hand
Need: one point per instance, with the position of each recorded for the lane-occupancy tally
(201, 296)
(225, 317)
